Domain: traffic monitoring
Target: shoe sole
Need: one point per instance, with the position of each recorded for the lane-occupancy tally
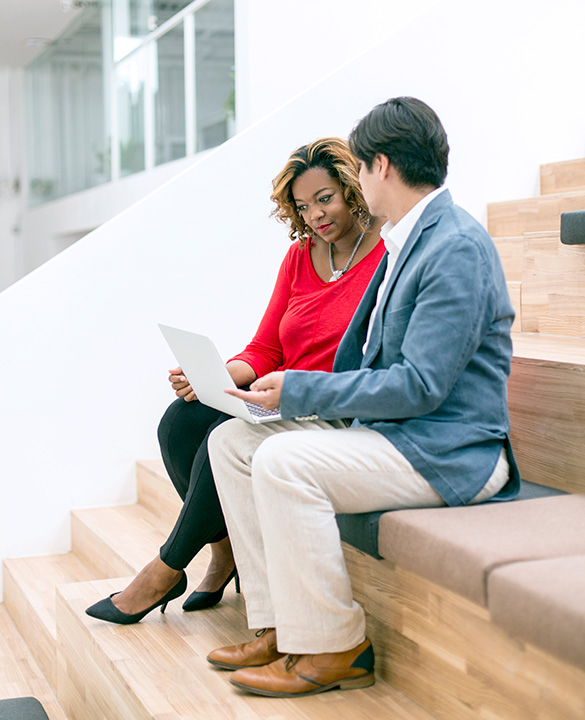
(225, 666)
(363, 681)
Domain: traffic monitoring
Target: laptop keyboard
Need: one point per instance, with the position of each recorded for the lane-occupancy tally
(259, 411)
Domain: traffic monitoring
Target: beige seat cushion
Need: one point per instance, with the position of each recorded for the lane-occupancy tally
(459, 547)
(543, 603)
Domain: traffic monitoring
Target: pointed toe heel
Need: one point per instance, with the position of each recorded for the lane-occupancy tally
(203, 600)
(107, 611)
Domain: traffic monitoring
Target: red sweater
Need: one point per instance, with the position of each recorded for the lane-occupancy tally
(307, 317)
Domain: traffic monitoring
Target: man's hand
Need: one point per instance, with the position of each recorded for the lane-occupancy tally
(265, 391)
(181, 385)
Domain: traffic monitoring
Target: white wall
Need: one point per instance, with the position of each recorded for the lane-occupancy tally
(83, 367)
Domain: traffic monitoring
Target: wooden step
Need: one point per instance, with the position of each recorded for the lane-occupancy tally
(157, 669)
(538, 214)
(29, 597)
(116, 541)
(553, 286)
(155, 490)
(546, 398)
(20, 676)
(562, 177)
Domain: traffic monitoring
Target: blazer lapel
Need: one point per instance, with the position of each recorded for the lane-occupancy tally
(429, 217)
(349, 353)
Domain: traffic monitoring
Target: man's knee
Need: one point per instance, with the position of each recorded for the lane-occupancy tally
(277, 459)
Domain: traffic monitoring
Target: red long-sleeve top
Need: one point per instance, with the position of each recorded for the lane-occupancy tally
(307, 317)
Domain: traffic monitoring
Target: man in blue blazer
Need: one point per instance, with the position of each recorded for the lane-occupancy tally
(421, 375)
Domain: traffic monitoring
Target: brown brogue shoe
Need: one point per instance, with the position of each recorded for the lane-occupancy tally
(299, 675)
(261, 651)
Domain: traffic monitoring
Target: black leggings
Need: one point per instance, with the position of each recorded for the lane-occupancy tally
(182, 434)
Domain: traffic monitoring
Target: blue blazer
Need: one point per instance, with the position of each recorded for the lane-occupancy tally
(433, 377)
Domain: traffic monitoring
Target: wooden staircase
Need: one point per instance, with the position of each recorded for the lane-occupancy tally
(83, 669)
(157, 668)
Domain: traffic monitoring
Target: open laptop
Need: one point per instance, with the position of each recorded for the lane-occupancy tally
(208, 376)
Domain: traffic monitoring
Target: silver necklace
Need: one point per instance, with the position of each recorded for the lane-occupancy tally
(336, 274)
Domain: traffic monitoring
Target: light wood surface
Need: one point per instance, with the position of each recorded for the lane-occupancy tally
(538, 214)
(547, 415)
(442, 651)
(29, 597)
(157, 669)
(511, 250)
(515, 293)
(561, 177)
(553, 286)
(116, 541)
(155, 490)
(20, 676)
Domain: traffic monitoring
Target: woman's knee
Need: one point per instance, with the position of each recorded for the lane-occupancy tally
(185, 422)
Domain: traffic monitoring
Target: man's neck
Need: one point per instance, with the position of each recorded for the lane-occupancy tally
(404, 200)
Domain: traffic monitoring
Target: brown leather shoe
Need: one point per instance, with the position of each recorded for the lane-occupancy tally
(298, 675)
(252, 654)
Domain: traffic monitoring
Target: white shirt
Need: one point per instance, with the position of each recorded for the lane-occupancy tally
(395, 237)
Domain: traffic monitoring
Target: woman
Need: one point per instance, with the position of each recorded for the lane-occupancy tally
(320, 283)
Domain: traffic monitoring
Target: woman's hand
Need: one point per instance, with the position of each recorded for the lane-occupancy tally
(265, 391)
(181, 385)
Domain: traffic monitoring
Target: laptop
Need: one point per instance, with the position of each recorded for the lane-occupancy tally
(208, 376)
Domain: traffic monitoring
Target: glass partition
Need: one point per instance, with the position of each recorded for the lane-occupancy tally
(131, 75)
(169, 97)
(131, 84)
(67, 138)
(214, 73)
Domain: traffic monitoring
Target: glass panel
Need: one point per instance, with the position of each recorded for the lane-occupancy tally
(134, 19)
(169, 97)
(214, 72)
(67, 146)
(130, 79)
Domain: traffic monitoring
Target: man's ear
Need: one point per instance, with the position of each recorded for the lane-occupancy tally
(382, 166)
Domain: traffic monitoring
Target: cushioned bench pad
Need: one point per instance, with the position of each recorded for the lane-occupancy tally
(459, 547)
(543, 603)
(361, 530)
(26, 708)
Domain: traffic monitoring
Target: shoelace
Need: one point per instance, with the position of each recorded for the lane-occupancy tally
(291, 661)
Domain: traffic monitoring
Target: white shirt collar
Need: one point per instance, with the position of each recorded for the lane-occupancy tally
(395, 236)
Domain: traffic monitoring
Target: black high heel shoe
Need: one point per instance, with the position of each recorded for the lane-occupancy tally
(202, 600)
(106, 610)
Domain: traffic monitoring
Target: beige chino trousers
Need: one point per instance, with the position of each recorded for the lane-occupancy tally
(280, 490)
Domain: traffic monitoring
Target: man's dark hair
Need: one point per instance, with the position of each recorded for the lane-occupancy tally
(411, 136)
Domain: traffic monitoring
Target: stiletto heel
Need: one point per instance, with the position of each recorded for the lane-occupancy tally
(202, 600)
(106, 610)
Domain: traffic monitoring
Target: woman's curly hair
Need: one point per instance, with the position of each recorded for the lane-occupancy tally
(333, 155)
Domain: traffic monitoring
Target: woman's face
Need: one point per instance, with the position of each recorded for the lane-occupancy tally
(319, 201)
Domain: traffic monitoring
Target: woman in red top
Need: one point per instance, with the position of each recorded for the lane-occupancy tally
(336, 249)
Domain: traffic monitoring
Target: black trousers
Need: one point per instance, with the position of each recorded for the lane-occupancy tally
(182, 435)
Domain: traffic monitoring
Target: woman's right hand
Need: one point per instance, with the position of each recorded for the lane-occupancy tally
(181, 385)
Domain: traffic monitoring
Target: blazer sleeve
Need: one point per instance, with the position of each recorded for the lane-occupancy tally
(426, 343)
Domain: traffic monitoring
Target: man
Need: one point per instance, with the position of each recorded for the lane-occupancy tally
(421, 371)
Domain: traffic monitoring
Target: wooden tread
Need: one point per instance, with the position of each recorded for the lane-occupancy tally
(29, 597)
(155, 490)
(116, 541)
(562, 177)
(20, 676)
(537, 214)
(157, 669)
